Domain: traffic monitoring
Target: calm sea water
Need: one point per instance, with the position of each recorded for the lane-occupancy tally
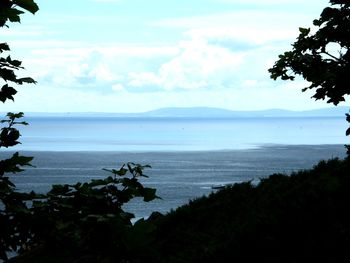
(188, 156)
(177, 134)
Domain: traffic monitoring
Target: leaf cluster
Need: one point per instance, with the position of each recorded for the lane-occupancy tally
(314, 58)
(322, 58)
(12, 203)
(13, 206)
(85, 220)
(82, 222)
(10, 10)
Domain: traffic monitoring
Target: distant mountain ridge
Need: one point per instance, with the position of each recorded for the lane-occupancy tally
(205, 112)
(217, 112)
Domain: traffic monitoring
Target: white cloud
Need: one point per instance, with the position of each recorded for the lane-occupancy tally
(59, 99)
(102, 72)
(106, 1)
(142, 79)
(144, 52)
(91, 66)
(244, 36)
(239, 18)
(270, 2)
(118, 87)
(207, 60)
(250, 83)
(244, 25)
(26, 31)
(217, 60)
(198, 65)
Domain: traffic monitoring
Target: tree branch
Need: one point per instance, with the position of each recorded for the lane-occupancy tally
(8, 65)
(334, 57)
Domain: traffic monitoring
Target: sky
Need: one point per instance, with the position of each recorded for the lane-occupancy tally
(137, 55)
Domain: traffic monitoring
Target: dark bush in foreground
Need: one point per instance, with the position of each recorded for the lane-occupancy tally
(304, 217)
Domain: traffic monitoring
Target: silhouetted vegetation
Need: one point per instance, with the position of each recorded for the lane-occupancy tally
(303, 217)
(322, 58)
(70, 223)
(12, 203)
(85, 222)
(299, 218)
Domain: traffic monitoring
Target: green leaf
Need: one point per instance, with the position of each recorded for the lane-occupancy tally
(21, 160)
(59, 189)
(77, 186)
(28, 5)
(120, 172)
(15, 63)
(304, 31)
(149, 194)
(347, 117)
(22, 123)
(6, 93)
(26, 80)
(4, 47)
(8, 75)
(13, 14)
(317, 22)
(13, 116)
(101, 182)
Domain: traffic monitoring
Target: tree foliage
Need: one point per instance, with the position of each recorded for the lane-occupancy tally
(10, 11)
(321, 57)
(83, 222)
(86, 222)
(297, 218)
(303, 217)
(12, 203)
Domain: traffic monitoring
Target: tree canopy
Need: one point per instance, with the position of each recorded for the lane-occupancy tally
(10, 11)
(321, 57)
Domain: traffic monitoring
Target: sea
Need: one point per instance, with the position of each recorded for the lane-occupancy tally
(190, 157)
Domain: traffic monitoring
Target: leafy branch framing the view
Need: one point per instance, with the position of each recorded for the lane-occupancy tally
(82, 222)
(13, 208)
(86, 222)
(10, 11)
(321, 58)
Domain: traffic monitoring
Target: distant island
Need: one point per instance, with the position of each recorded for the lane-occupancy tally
(223, 113)
(204, 112)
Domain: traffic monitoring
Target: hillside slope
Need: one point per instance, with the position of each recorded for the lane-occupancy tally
(300, 218)
(304, 217)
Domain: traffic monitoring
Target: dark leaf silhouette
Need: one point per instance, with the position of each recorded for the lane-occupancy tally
(313, 57)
